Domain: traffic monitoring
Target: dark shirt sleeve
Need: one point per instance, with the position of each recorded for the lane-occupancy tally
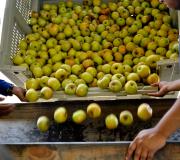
(5, 88)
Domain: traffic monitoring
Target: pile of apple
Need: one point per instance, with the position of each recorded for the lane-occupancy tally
(110, 45)
(144, 113)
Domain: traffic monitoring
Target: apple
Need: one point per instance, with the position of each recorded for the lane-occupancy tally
(60, 115)
(143, 71)
(43, 123)
(133, 76)
(153, 78)
(103, 82)
(92, 71)
(151, 60)
(126, 118)
(144, 111)
(37, 72)
(65, 82)
(87, 77)
(82, 90)
(111, 121)
(18, 59)
(54, 83)
(32, 83)
(79, 81)
(106, 68)
(120, 77)
(46, 92)
(32, 95)
(94, 110)
(61, 74)
(115, 85)
(70, 89)
(131, 87)
(117, 68)
(51, 42)
(79, 116)
(43, 81)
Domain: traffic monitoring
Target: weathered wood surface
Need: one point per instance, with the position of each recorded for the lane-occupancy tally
(85, 152)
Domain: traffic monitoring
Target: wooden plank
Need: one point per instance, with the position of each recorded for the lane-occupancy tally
(85, 152)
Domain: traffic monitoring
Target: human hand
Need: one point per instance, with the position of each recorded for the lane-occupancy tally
(145, 145)
(162, 86)
(6, 108)
(19, 92)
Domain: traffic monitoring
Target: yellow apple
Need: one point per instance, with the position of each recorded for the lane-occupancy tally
(60, 115)
(144, 111)
(43, 123)
(126, 118)
(111, 121)
(93, 110)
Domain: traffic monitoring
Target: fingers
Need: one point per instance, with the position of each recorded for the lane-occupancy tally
(150, 156)
(1, 98)
(130, 151)
(138, 151)
(144, 154)
(155, 84)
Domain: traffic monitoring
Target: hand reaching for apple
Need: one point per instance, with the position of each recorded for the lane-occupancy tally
(19, 92)
(163, 89)
(146, 144)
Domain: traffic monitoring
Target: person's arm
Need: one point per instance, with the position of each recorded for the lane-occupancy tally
(149, 141)
(165, 87)
(8, 89)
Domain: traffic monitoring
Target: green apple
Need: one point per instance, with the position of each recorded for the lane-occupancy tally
(120, 77)
(32, 95)
(43, 123)
(106, 68)
(60, 115)
(151, 60)
(117, 68)
(43, 81)
(94, 110)
(133, 76)
(37, 72)
(32, 83)
(87, 77)
(115, 85)
(51, 42)
(103, 82)
(82, 90)
(92, 71)
(79, 116)
(65, 82)
(61, 74)
(46, 92)
(79, 81)
(70, 89)
(76, 69)
(131, 87)
(143, 70)
(111, 121)
(18, 59)
(144, 111)
(54, 83)
(126, 118)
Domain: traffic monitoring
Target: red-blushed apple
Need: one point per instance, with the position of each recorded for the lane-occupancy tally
(60, 115)
(43, 123)
(82, 90)
(153, 78)
(32, 95)
(46, 92)
(144, 111)
(79, 116)
(126, 118)
(94, 110)
(131, 87)
(54, 83)
(111, 121)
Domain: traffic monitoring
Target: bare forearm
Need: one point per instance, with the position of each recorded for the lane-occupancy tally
(173, 86)
(170, 121)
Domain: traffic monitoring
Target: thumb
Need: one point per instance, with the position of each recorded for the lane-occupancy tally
(1, 98)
